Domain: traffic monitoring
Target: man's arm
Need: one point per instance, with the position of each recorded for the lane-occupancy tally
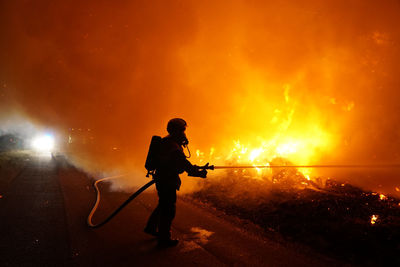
(185, 165)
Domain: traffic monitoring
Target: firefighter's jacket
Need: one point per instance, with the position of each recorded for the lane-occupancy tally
(172, 162)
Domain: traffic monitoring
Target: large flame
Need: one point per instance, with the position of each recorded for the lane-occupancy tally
(299, 144)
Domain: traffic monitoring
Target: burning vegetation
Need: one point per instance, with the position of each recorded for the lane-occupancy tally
(337, 219)
(328, 214)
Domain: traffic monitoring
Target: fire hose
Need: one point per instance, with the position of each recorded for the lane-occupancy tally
(366, 166)
(211, 167)
(115, 212)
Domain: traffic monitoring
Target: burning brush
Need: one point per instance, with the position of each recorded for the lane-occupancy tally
(333, 217)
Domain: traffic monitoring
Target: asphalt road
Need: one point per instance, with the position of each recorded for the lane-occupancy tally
(43, 212)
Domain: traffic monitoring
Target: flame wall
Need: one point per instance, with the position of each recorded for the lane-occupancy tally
(318, 75)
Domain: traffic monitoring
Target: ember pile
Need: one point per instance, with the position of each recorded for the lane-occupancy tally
(339, 219)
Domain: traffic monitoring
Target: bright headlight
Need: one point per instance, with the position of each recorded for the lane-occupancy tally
(43, 143)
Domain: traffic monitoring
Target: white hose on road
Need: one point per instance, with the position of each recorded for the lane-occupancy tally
(96, 204)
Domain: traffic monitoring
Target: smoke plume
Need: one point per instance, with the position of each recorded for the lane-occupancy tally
(106, 76)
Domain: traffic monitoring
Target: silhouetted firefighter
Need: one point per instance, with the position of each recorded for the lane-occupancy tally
(166, 160)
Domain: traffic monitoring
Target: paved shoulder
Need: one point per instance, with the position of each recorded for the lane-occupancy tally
(200, 229)
(33, 225)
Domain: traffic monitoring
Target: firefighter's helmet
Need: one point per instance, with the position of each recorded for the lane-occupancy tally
(176, 125)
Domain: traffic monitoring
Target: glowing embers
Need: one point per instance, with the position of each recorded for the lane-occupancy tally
(374, 218)
(44, 143)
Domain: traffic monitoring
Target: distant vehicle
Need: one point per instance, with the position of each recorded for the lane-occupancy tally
(11, 142)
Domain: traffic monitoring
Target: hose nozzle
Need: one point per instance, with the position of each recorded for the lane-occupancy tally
(207, 167)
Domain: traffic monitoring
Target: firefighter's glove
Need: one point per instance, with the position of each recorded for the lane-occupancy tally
(203, 174)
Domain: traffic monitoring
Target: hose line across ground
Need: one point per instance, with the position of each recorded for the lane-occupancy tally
(115, 212)
(212, 167)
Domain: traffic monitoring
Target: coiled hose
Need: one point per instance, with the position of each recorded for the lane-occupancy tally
(115, 212)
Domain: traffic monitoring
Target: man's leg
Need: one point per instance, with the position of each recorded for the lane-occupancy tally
(167, 200)
(152, 223)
